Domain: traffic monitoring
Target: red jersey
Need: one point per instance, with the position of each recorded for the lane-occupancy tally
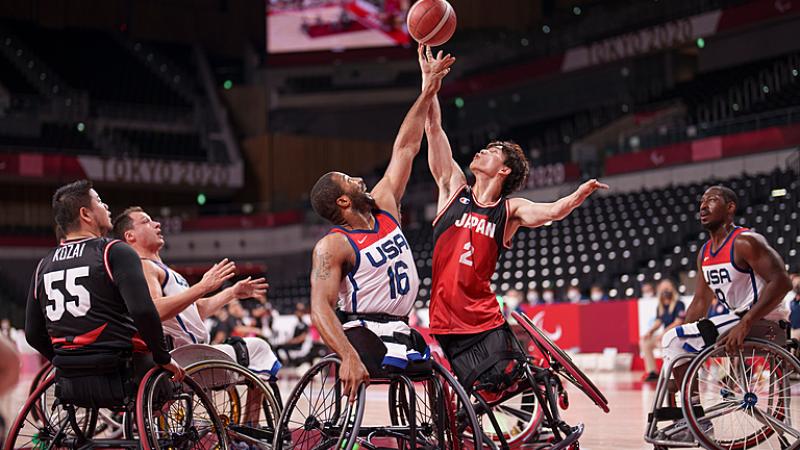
(468, 238)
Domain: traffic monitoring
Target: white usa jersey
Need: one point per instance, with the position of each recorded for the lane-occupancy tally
(187, 327)
(736, 288)
(384, 279)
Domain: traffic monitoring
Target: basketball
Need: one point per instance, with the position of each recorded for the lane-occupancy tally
(431, 22)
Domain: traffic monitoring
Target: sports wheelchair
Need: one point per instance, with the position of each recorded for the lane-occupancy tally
(433, 410)
(745, 400)
(527, 413)
(428, 409)
(247, 405)
(158, 413)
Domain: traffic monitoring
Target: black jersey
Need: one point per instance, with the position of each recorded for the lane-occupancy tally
(85, 309)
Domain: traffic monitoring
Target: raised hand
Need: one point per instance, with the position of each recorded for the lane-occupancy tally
(249, 288)
(433, 68)
(588, 188)
(218, 274)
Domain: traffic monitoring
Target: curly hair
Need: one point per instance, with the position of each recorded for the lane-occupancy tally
(517, 162)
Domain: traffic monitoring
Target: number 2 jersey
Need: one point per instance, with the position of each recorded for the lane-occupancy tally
(468, 238)
(384, 279)
(90, 295)
(736, 288)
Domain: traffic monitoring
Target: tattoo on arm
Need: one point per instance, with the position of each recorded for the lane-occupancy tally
(322, 265)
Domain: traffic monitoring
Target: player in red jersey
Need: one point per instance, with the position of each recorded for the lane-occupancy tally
(472, 225)
(364, 267)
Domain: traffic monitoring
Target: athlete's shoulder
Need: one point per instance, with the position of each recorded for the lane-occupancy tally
(385, 218)
(747, 239)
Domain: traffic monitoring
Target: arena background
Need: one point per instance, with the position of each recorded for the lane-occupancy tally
(219, 126)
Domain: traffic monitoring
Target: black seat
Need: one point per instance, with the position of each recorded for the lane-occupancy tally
(96, 380)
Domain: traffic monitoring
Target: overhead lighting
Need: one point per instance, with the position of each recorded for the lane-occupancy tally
(778, 192)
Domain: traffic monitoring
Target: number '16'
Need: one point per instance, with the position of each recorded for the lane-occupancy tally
(398, 279)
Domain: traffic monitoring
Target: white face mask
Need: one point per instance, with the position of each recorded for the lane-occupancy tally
(532, 297)
(547, 296)
(573, 295)
(648, 293)
(596, 296)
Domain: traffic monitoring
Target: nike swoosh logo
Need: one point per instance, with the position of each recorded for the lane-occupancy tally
(361, 241)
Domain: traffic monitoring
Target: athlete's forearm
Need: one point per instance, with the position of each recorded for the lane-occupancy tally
(413, 126)
(170, 306)
(330, 329)
(562, 207)
(770, 297)
(208, 306)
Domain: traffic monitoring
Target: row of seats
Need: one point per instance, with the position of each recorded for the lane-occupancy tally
(617, 241)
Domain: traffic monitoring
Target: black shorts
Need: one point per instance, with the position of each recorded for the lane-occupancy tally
(484, 361)
(371, 350)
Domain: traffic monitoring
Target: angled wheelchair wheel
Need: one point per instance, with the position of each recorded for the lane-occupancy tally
(561, 362)
(744, 400)
(440, 412)
(516, 412)
(176, 415)
(317, 415)
(55, 426)
(245, 404)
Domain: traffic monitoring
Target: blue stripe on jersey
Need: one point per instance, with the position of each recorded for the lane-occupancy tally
(372, 231)
(755, 288)
(351, 275)
(733, 260)
(711, 247)
(389, 215)
(183, 326)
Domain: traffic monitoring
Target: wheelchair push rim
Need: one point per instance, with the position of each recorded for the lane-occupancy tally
(568, 369)
(745, 399)
(333, 422)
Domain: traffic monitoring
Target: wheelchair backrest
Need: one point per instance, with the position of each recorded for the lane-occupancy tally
(96, 380)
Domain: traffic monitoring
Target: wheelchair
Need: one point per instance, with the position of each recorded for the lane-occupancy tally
(158, 413)
(247, 405)
(528, 412)
(743, 400)
(428, 409)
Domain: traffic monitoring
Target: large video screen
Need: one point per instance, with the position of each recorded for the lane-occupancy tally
(335, 25)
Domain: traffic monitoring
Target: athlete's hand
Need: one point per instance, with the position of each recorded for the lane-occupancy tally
(733, 340)
(218, 274)
(434, 68)
(249, 288)
(353, 374)
(175, 369)
(588, 188)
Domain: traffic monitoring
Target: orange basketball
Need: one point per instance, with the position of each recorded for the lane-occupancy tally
(431, 22)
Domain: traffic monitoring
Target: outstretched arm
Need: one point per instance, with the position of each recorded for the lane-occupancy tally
(390, 189)
(446, 172)
(526, 213)
(172, 305)
(331, 254)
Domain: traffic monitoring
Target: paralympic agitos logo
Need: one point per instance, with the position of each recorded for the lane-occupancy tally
(538, 320)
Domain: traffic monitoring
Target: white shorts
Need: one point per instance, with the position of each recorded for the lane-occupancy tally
(262, 359)
(686, 338)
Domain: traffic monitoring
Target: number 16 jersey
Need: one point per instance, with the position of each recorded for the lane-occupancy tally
(468, 238)
(384, 279)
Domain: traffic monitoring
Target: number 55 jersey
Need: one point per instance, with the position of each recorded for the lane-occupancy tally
(468, 238)
(82, 305)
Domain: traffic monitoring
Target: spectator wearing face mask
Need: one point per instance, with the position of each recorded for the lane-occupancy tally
(648, 291)
(669, 314)
(548, 297)
(532, 297)
(574, 295)
(597, 294)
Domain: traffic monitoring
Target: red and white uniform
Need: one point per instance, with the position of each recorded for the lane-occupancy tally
(736, 288)
(384, 279)
(468, 238)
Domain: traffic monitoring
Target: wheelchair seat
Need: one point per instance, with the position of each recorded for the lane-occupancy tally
(372, 350)
(96, 380)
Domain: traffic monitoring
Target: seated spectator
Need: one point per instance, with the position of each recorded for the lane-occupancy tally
(648, 291)
(597, 294)
(295, 350)
(574, 295)
(548, 297)
(716, 308)
(669, 314)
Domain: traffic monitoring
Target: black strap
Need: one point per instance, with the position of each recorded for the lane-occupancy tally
(240, 349)
(488, 363)
(708, 331)
(372, 317)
